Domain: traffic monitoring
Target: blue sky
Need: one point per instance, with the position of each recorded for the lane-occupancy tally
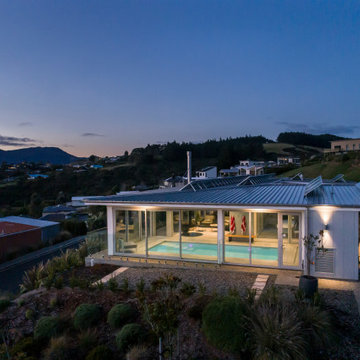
(107, 76)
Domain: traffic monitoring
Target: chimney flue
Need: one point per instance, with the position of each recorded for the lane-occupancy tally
(188, 153)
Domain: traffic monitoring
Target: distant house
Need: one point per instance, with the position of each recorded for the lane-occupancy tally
(37, 176)
(246, 167)
(18, 233)
(288, 160)
(208, 172)
(62, 212)
(344, 145)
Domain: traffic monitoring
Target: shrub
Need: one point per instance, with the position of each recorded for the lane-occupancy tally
(129, 335)
(4, 303)
(47, 327)
(196, 311)
(225, 324)
(112, 284)
(30, 314)
(87, 340)
(27, 346)
(277, 333)
(61, 236)
(119, 315)
(100, 352)
(139, 352)
(58, 349)
(187, 289)
(59, 282)
(77, 282)
(86, 316)
(125, 286)
(75, 227)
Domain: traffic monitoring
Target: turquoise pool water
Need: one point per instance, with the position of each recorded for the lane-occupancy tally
(231, 251)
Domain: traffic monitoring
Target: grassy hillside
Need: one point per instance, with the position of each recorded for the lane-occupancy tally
(289, 149)
(349, 165)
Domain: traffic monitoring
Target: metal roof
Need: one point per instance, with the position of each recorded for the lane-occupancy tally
(273, 194)
(28, 221)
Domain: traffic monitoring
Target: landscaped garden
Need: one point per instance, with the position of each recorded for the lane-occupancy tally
(64, 313)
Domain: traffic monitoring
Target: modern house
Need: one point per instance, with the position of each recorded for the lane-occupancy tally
(246, 167)
(208, 172)
(288, 160)
(344, 145)
(244, 220)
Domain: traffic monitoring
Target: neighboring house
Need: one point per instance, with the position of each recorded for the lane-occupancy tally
(208, 172)
(175, 181)
(65, 211)
(245, 168)
(344, 145)
(252, 163)
(244, 220)
(18, 233)
(288, 160)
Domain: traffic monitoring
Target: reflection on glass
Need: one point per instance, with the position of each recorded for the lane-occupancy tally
(291, 239)
(130, 232)
(264, 249)
(237, 230)
(199, 234)
(163, 233)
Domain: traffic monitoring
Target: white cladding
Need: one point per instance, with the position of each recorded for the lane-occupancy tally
(342, 235)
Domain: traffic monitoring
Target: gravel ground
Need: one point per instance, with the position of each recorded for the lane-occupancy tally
(214, 280)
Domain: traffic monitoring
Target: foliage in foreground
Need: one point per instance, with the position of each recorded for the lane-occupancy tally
(86, 316)
(270, 328)
(119, 315)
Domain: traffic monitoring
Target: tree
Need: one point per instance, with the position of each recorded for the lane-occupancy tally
(61, 198)
(35, 207)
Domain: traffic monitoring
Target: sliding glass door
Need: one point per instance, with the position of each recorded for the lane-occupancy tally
(290, 240)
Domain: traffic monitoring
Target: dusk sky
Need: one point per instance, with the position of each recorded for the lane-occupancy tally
(102, 77)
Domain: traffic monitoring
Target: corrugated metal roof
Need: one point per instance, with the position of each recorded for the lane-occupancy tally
(28, 221)
(274, 194)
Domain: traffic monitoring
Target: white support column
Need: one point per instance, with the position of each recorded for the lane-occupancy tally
(110, 214)
(169, 224)
(220, 220)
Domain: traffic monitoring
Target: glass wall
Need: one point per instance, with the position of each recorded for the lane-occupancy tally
(290, 240)
(130, 234)
(163, 233)
(264, 248)
(237, 237)
(199, 235)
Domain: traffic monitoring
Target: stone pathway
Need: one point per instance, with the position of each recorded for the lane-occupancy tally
(106, 278)
(259, 285)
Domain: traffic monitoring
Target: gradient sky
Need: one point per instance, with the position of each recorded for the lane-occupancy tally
(107, 76)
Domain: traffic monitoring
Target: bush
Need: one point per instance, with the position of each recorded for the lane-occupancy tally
(128, 336)
(47, 327)
(101, 352)
(30, 314)
(61, 237)
(87, 340)
(139, 352)
(119, 315)
(113, 285)
(196, 311)
(4, 303)
(59, 282)
(187, 289)
(277, 333)
(27, 346)
(225, 324)
(58, 349)
(86, 316)
(75, 227)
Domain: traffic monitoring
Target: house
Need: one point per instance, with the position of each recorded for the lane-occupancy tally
(62, 212)
(20, 233)
(246, 167)
(243, 220)
(207, 172)
(344, 145)
(288, 160)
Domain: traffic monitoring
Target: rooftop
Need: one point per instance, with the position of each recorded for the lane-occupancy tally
(27, 221)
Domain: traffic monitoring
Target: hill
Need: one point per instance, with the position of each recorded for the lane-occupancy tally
(347, 164)
(300, 138)
(286, 149)
(51, 155)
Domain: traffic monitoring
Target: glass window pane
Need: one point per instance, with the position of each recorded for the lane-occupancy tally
(237, 229)
(130, 232)
(163, 233)
(291, 240)
(264, 249)
(199, 234)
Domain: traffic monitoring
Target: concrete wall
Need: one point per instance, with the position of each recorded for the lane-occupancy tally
(342, 235)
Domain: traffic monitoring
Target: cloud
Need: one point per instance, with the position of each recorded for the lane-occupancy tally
(15, 141)
(320, 128)
(26, 123)
(90, 134)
